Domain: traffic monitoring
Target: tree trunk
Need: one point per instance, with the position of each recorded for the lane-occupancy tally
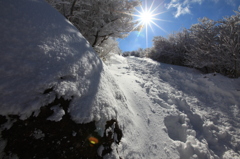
(95, 40)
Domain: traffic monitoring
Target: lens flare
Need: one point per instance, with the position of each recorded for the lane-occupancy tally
(93, 140)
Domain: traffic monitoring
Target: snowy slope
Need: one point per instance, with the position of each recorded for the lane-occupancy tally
(177, 112)
(164, 111)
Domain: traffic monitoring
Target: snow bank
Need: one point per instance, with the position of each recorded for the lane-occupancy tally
(43, 57)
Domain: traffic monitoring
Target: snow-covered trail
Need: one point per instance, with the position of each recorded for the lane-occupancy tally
(145, 133)
(176, 112)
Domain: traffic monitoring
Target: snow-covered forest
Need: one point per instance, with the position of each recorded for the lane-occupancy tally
(211, 46)
(58, 99)
(100, 22)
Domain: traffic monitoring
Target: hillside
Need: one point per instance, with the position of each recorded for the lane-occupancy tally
(59, 100)
(177, 112)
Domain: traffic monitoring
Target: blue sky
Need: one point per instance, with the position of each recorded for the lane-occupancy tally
(176, 15)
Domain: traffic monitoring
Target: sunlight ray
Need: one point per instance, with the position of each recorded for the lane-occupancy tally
(151, 6)
(159, 27)
(146, 17)
(158, 13)
(151, 27)
(147, 36)
(156, 7)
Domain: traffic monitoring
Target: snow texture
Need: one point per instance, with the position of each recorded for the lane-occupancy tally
(57, 115)
(43, 57)
(177, 112)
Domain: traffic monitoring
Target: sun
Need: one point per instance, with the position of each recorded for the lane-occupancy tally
(146, 17)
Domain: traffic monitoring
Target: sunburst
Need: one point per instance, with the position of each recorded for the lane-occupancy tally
(146, 17)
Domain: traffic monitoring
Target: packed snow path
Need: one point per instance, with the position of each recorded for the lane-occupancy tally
(177, 112)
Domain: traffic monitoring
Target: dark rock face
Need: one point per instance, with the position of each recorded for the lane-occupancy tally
(37, 137)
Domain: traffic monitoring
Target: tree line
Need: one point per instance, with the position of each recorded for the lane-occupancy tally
(211, 46)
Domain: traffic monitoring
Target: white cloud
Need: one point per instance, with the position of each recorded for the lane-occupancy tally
(231, 2)
(192, 1)
(182, 10)
(216, 1)
(182, 6)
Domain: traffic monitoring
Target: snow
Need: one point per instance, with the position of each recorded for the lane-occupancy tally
(177, 112)
(43, 56)
(38, 134)
(164, 111)
(57, 115)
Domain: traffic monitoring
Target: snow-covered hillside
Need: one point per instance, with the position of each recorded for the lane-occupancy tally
(177, 112)
(58, 100)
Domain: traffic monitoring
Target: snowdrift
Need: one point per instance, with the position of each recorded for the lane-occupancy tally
(45, 58)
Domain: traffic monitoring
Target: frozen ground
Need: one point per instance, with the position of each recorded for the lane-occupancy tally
(177, 112)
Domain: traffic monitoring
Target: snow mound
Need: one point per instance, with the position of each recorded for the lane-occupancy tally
(116, 59)
(43, 57)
